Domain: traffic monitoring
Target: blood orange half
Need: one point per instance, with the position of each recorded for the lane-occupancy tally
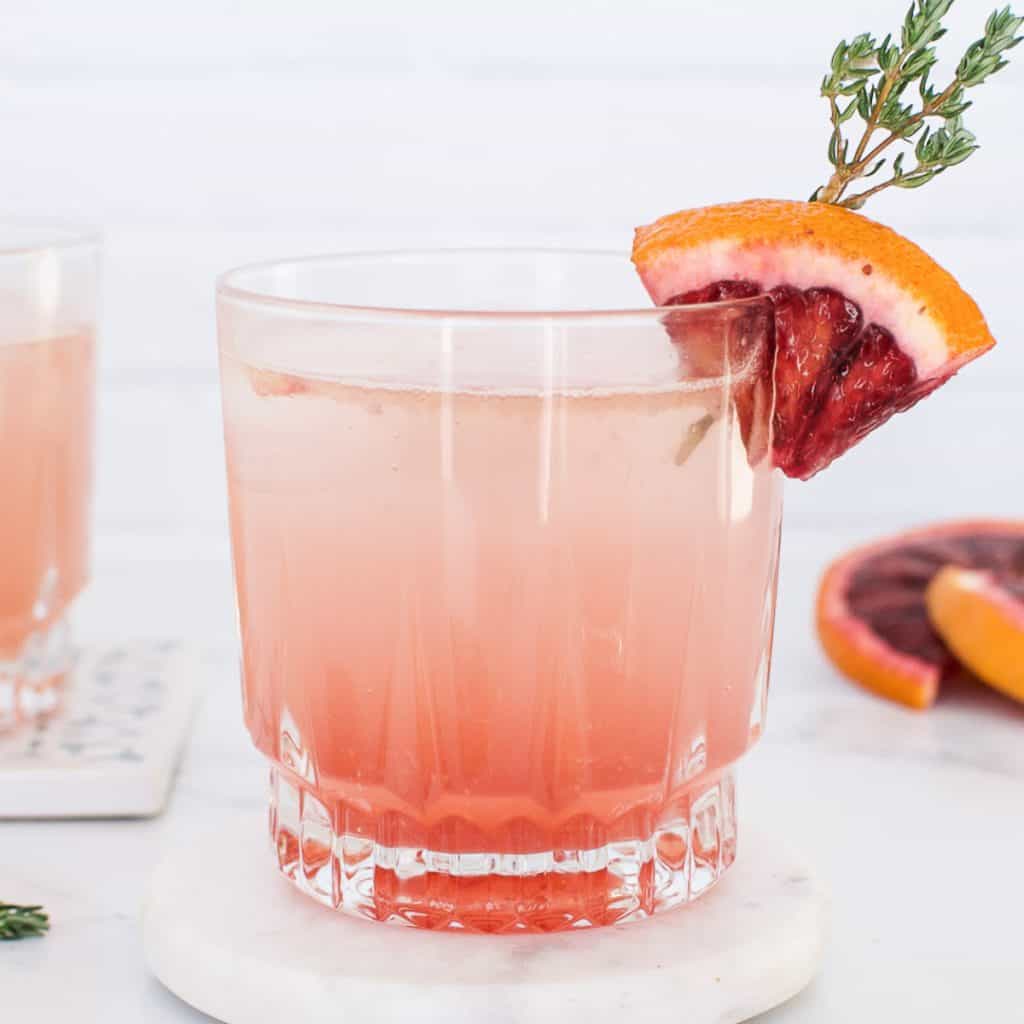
(980, 616)
(866, 323)
(871, 613)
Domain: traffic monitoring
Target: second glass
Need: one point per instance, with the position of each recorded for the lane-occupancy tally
(48, 296)
(505, 547)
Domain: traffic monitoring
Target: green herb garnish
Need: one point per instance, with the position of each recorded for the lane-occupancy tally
(869, 80)
(17, 922)
(692, 436)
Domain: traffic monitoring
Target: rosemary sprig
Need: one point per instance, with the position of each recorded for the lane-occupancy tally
(17, 922)
(869, 80)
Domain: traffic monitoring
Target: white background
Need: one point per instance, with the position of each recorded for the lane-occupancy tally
(201, 134)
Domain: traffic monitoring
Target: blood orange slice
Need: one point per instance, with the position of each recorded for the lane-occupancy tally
(980, 616)
(871, 614)
(866, 323)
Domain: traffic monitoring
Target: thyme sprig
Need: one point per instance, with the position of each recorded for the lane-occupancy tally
(870, 80)
(18, 922)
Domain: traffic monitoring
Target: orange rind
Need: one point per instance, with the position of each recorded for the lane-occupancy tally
(866, 322)
(874, 622)
(980, 616)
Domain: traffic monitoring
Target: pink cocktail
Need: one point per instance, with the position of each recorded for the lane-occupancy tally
(47, 385)
(505, 580)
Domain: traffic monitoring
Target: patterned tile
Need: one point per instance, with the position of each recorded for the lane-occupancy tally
(112, 748)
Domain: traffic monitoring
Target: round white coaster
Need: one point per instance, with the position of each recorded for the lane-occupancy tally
(228, 935)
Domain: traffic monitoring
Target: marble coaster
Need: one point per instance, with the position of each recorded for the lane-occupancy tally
(112, 748)
(224, 932)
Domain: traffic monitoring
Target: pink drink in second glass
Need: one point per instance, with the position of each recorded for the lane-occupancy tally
(47, 393)
(46, 413)
(502, 647)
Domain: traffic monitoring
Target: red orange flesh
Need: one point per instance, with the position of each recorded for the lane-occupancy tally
(866, 323)
(871, 614)
(980, 616)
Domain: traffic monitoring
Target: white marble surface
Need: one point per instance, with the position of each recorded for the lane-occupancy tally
(261, 952)
(914, 819)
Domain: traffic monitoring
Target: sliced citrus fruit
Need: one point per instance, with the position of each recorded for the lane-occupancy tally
(980, 616)
(866, 323)
(871, 612)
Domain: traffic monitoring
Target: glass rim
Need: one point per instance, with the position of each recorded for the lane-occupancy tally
(228, 286)
(52, 235)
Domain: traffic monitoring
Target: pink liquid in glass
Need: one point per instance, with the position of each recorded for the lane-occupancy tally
(503, 649)
(46, 431)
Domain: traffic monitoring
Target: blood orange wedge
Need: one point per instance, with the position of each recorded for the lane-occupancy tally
(866, 323)
(871, 614)
(980, 616)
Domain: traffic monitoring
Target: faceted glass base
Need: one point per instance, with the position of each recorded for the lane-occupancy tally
(32, 681)
(687, 853)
